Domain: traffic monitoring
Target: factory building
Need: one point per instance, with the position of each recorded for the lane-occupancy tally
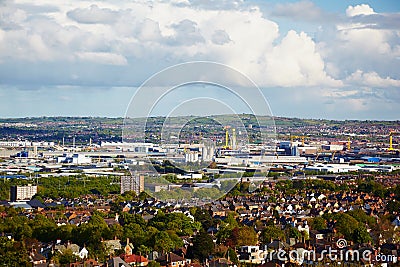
(74, 159)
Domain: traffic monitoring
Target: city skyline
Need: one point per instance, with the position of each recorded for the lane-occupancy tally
(310, 59)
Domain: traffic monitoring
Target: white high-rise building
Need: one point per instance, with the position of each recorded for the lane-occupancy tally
(22, 192)
(132, 183)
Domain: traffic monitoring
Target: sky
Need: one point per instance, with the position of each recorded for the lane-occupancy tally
(310, 59)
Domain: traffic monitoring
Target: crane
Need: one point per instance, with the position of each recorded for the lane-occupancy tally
(391, 134)
(292, 137)
(226, 137)
(348, 144)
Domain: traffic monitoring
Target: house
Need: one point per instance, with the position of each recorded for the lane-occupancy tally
(117, 262)
(37, 259)
(112, 245)
(221, 262)
(83, 254)
(128, 247)
(172, 260)
(135, 260)
(217, 211)
(86, 263)
(396, 222)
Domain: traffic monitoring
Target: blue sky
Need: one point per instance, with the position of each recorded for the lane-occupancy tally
(312, 59)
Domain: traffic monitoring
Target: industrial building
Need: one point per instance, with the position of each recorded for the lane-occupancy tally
(74, 159)
(22, 192)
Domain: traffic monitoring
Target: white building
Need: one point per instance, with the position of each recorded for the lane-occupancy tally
(333, 168)
(132, 183)
(74, 159)
(191, 157)
(332, 147)
(22, 192)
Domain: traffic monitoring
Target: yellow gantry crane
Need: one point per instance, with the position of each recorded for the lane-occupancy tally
(292, 137)
(391, 134)
(226, 137)
(230, 143)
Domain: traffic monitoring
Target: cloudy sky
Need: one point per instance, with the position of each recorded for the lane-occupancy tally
(313, 59)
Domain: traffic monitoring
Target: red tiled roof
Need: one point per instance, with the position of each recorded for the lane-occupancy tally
(134, 258)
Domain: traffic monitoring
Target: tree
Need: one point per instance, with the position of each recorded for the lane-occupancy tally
(393, 206)
(143, 195)
(317, 223)
(204, 217)
(134, 232)
(43, 228)
(361, 235)
(293, 232)
(346, 225)
(65, 232)
(271, 233)
(129, 195)
(143, 250)
(203, 246)
(67, 257)
(13, 253)
(176, 240)
(162, 242)
(362, 217)
(243, 236)
(232, 256)
(153, 264)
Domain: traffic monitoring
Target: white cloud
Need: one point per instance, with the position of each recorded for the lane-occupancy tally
(121, 33)
(102, 58)
(372, 79)
(362, 9)
(124, 42)
(295, 62)
(93, 14)
(220, 37)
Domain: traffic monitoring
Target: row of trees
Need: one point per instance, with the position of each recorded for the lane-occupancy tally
(66, 187)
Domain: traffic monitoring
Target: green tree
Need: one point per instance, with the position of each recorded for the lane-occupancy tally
(129, 195)
(243, 236)
(162, 242)
(293, 232)
(67, 257)
(153, 264)
(393, 206)
(271, 233)
(345, 224)
(13, 253)
(362, 217)
(361, 235)
(317, 223)
(176, 240)
(43, 229)
(232, 256)
(135, 233)
(203, 246)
